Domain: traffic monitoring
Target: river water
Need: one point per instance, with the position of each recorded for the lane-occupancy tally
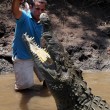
(41, 99)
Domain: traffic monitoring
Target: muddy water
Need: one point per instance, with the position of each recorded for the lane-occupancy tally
(37, 99)
(41, 99)
(99, 82)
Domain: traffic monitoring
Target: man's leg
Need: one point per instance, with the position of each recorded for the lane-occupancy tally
(39, 75)
(23, 74)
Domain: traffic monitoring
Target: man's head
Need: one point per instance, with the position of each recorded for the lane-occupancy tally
(37, 7)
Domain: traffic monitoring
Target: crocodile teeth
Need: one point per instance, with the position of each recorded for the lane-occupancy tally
(41, 53)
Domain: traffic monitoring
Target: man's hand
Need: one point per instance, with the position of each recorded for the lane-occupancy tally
(15, 8)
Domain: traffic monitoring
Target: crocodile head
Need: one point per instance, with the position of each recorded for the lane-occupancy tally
(43, 60)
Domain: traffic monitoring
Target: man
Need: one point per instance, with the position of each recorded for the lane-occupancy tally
(23, 64)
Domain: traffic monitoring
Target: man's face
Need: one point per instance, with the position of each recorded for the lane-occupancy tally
(37, 9)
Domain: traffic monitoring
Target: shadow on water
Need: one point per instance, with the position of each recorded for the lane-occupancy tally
(34, 92)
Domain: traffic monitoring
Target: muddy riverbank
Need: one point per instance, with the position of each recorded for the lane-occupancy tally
(83, 30)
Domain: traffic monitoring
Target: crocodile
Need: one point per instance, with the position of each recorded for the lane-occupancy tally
(64, 80)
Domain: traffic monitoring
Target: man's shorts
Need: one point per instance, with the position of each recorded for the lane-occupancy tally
(24, 73)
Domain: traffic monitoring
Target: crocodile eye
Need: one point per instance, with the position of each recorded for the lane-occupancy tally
(64, 69)
(59, 75)
(57, 58)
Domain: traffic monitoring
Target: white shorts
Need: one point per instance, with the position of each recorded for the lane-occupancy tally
(24, 73)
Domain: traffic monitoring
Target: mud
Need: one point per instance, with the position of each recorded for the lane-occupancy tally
(82, 28)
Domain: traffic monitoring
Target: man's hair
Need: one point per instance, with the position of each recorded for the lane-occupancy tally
(40, 1)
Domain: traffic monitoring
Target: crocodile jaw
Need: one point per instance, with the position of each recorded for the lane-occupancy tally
(41, 58)
(41, 53)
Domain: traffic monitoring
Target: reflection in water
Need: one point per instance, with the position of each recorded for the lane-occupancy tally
(37, 98)
(41, 99)
(28, 94)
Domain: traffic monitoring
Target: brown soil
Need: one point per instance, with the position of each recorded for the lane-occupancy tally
(83, 29)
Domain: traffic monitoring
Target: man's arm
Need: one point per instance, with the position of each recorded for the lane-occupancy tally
(16, 8)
